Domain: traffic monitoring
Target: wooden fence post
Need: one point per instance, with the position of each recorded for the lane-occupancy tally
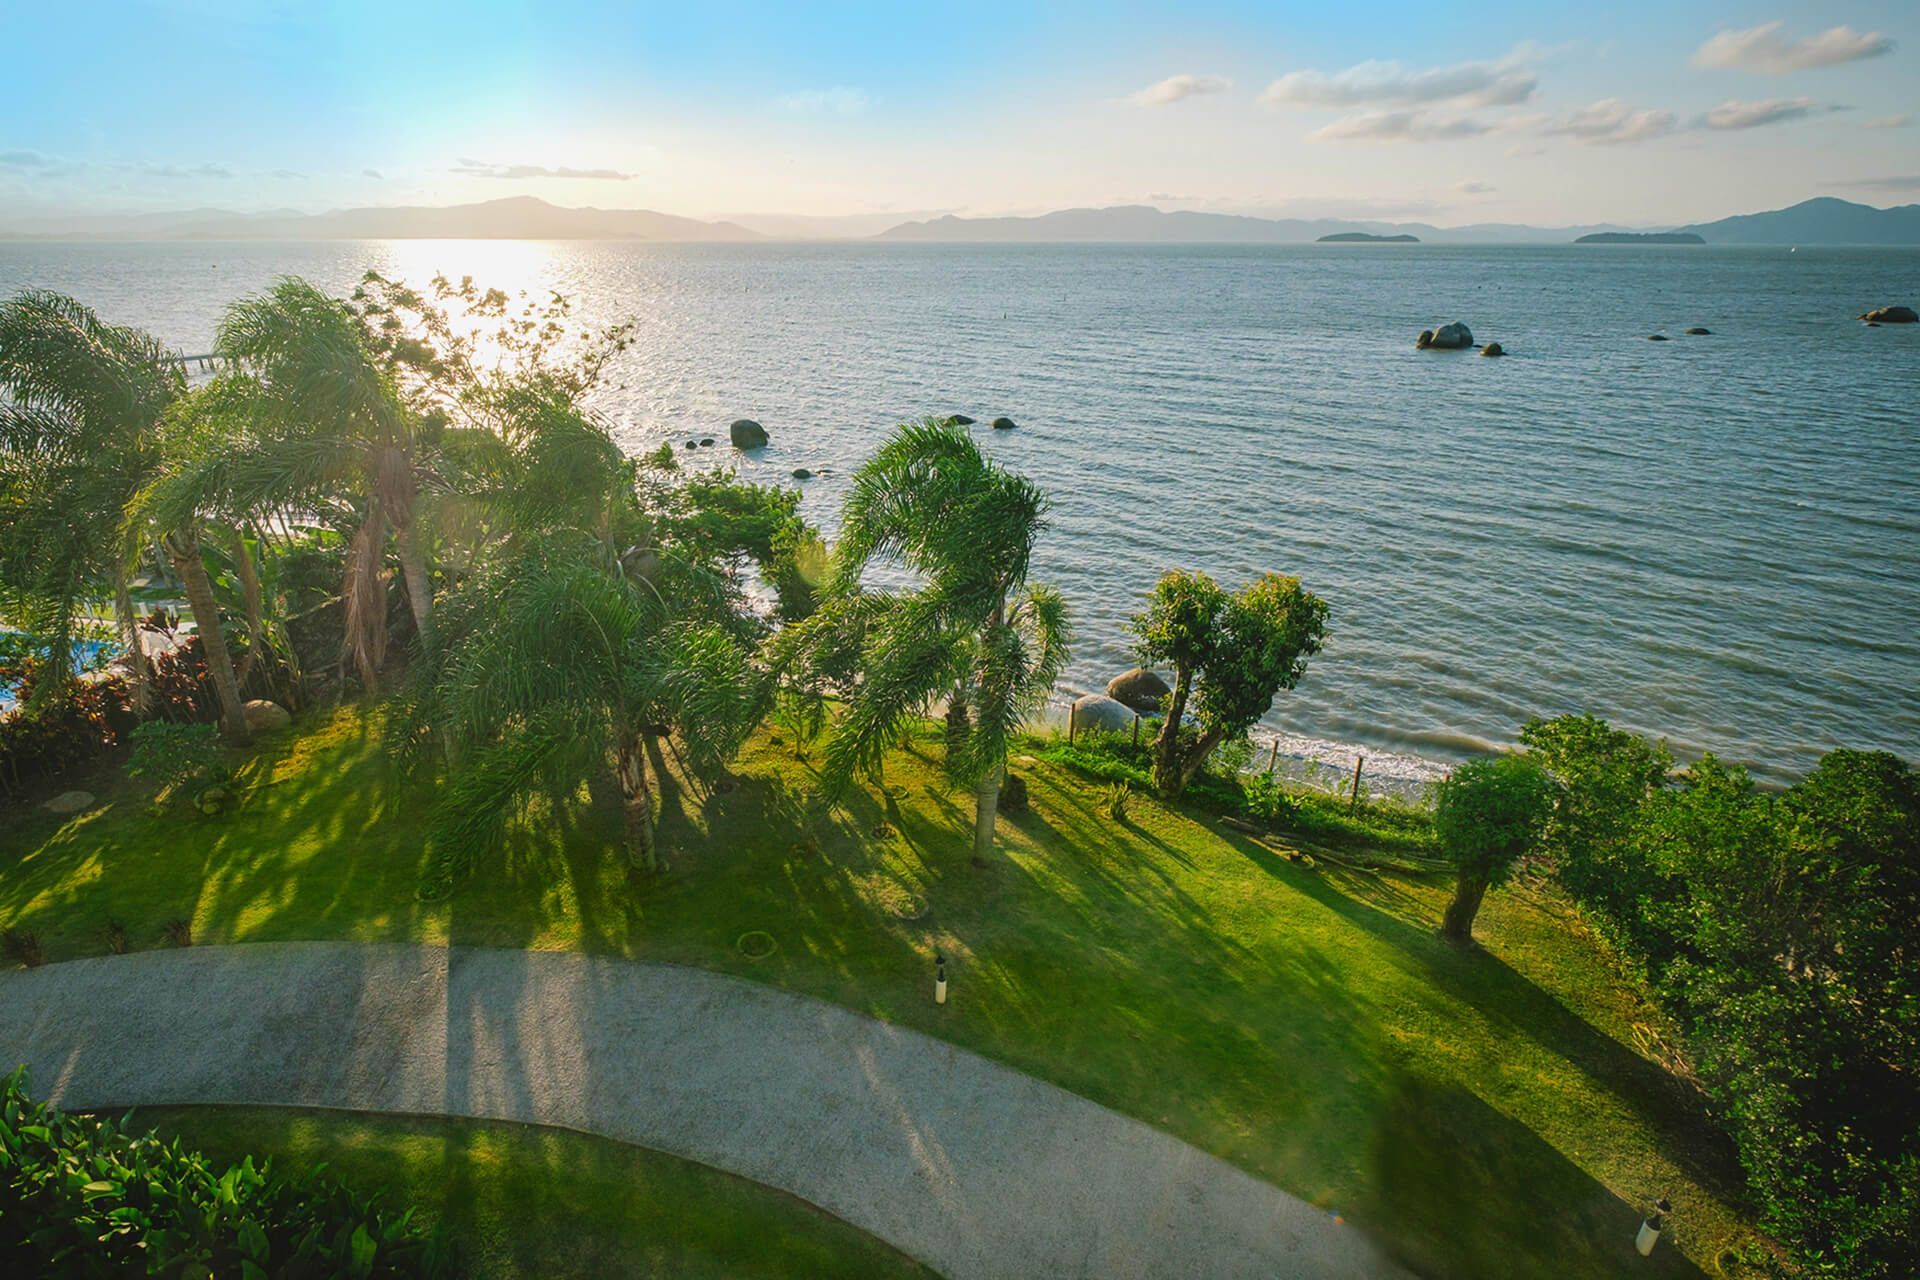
(1354, 803)
(1273, 757)
(1073, 713)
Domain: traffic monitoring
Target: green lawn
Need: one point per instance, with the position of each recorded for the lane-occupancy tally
(520, 1200)
(1485, 1113)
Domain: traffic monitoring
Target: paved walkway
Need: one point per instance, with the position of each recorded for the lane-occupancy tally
(967, 1165)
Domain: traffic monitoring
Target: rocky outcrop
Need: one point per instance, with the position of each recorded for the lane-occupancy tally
(1140, 689)
(265, 717)
(1451, 337)
(1099, 712)
(1003, 424)
(745, 433)
(1892, 315)
(1493, 349)
(1424, 341)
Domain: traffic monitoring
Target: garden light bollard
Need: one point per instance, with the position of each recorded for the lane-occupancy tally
(1651, 1226)
(939, 979)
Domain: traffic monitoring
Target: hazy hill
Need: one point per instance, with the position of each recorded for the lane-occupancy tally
(1820, 221)
(1145, 224)
(512, 218)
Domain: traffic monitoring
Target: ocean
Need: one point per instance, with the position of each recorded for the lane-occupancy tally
(1712, 539)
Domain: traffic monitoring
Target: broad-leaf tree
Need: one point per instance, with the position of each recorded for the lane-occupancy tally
(79, 400)
(1231, 652)
(971, 629)
(1487, 814)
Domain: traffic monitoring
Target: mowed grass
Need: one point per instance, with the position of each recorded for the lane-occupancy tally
(521, 1201)
(1492, 1112)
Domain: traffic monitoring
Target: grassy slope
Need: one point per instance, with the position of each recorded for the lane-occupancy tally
(1481, 1113)
(525, 1201)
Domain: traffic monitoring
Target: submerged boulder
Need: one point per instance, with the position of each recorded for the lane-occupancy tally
(1892, 315)
(1656, 337)
(1140, 689)
(956, 420)
(1452, 337)
(1493, 349)
(1097, 711)
(801, 473)
(264, 716)
(1003, 424)
(1698, 332)
(745, 433)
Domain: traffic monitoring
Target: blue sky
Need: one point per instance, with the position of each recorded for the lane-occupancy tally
(1550, 112)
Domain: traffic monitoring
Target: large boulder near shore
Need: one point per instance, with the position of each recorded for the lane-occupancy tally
(69, 802)
(1097, 711)
(265, 717)
(1892, 315)
(1141, 689)
(1452, 337)
(745, 433)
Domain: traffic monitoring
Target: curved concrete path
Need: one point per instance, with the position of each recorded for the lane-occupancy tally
(969, 1166)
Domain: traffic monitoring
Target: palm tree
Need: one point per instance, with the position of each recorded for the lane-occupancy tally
(974, 631)
(330, 423)
(549, 668)
(77, 441)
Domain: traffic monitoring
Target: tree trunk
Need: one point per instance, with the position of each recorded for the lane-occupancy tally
(636, 801)
(413, 566)
(1195, 758)
(1457, 927)
(986, 807)
(364, 597)
(1167, 777)
(243, 569)
(139, 670)
(959, 724)
(183, 549)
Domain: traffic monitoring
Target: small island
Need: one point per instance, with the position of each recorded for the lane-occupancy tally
(1639, 237)
(1366, 237)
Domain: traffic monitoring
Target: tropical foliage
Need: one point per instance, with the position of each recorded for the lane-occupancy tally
(85, 1197)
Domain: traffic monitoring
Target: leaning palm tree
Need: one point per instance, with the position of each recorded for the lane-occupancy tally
(329, 425)
(548, 669)
(973, 631)
(79, 400)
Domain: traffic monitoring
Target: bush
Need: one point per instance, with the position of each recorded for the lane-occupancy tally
(82, 1197)
(176, 755)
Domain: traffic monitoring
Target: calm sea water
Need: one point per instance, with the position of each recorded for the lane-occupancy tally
(1714, 539)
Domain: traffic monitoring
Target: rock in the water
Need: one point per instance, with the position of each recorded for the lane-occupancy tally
(1656, 337)
(706, 442)
(801, 473)
(265, 717)
(1493, 349)
(1141, 689)
(1892, 315)
(1003, 424)
(1097, 711)
(69, 802)
(957, 420)
(1424, 341)
(690, 445)
(1452, 337)
(747, 434)
(1698, 332)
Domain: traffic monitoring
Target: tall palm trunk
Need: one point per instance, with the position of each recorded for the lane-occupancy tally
(139, 670)
(413, 566)
(183, 549)
(364, 594)
(986, 808)
(244, 570)
(636, 800)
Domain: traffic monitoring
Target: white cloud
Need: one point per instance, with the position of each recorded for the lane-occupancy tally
(1887, 122)
(375, 174)
(1472, 188)
(1174, 88)
(484, 169)
(184, 171)
(1388, 84)
(1399, 126)
(837, 101)
(1734, 114)
(1610, 122)
(1764, 49)
(1910, 182)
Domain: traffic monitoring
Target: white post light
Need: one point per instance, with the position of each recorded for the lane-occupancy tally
(939, 978)
(1651, 1226)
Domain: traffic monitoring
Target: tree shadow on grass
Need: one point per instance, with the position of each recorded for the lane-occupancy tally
(1445, 1168)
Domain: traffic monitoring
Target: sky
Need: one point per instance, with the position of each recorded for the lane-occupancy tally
(1551, 113)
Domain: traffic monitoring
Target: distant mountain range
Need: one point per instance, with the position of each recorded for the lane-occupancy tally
(1823, 221)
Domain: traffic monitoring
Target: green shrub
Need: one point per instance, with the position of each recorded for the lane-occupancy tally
(176, 755)
(1267, 800)
(82, 1197)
